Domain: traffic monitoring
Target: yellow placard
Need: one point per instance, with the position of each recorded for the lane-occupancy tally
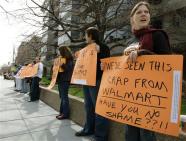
(85, 68)
(145, 94)
(57, 63)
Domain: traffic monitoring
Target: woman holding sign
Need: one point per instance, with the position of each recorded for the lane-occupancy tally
(151, 41)
(63, 79)
(94, 124)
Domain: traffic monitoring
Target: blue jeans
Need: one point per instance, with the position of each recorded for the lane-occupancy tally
(63, 87)
(138, 134)
(25, 86)
(94, 123)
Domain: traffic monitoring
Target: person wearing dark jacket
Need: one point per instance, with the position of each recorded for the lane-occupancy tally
(95, 124)
(63, 80)
(151, 41)
(35, 90)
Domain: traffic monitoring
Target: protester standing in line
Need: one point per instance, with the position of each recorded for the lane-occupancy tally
(29, 81)
(18, 79)
(25, 85)
(35, 91)
(151, 41)
(14, 71)
(63, 80)
(94, 124)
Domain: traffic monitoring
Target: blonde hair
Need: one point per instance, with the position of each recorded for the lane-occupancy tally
(133, 11)
(138, 5)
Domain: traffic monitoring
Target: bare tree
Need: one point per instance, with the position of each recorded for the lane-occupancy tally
(28, 50)
(70, 16)
(2, 7)
(35, 44)
(4, 10)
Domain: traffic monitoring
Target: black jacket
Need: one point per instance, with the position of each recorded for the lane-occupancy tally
(67, 74)
(104, 53)
(160, 44)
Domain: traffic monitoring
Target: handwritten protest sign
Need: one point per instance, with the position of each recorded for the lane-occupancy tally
(29, 71)
(85, 68)
(57, 63)
(145, 94)
(22, 72)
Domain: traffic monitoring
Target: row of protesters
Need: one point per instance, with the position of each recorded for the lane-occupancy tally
(29, 82)
(94, 124)
(7, 75)
(149, 41)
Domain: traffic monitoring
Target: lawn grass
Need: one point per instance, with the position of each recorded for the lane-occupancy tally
(183, 106)
(74, 90)
(44, 81)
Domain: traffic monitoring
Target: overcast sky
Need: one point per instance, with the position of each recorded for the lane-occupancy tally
(11, 30)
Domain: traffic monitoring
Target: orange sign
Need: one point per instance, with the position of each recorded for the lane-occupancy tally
(57, 63)
(85, 68)
(29, 71)
(145, 94)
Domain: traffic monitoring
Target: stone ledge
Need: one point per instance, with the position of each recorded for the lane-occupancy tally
(77, 114)
(51, 97)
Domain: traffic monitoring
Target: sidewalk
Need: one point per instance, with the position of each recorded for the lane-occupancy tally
(31, 121)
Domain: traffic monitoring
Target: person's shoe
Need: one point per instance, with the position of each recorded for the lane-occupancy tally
(30, 100)
(61, 117)
(58, 115)
(82, 133)
(27, 93)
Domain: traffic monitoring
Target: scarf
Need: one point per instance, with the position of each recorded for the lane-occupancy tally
(145, 37)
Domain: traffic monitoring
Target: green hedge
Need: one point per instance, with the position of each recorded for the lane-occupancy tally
(44, 81)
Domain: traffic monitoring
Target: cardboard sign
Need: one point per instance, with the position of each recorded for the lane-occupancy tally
(29, 71)
(85, 68)
(57, 63)
(145, 94)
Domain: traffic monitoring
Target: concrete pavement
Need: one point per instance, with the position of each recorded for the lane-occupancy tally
(31, 121)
